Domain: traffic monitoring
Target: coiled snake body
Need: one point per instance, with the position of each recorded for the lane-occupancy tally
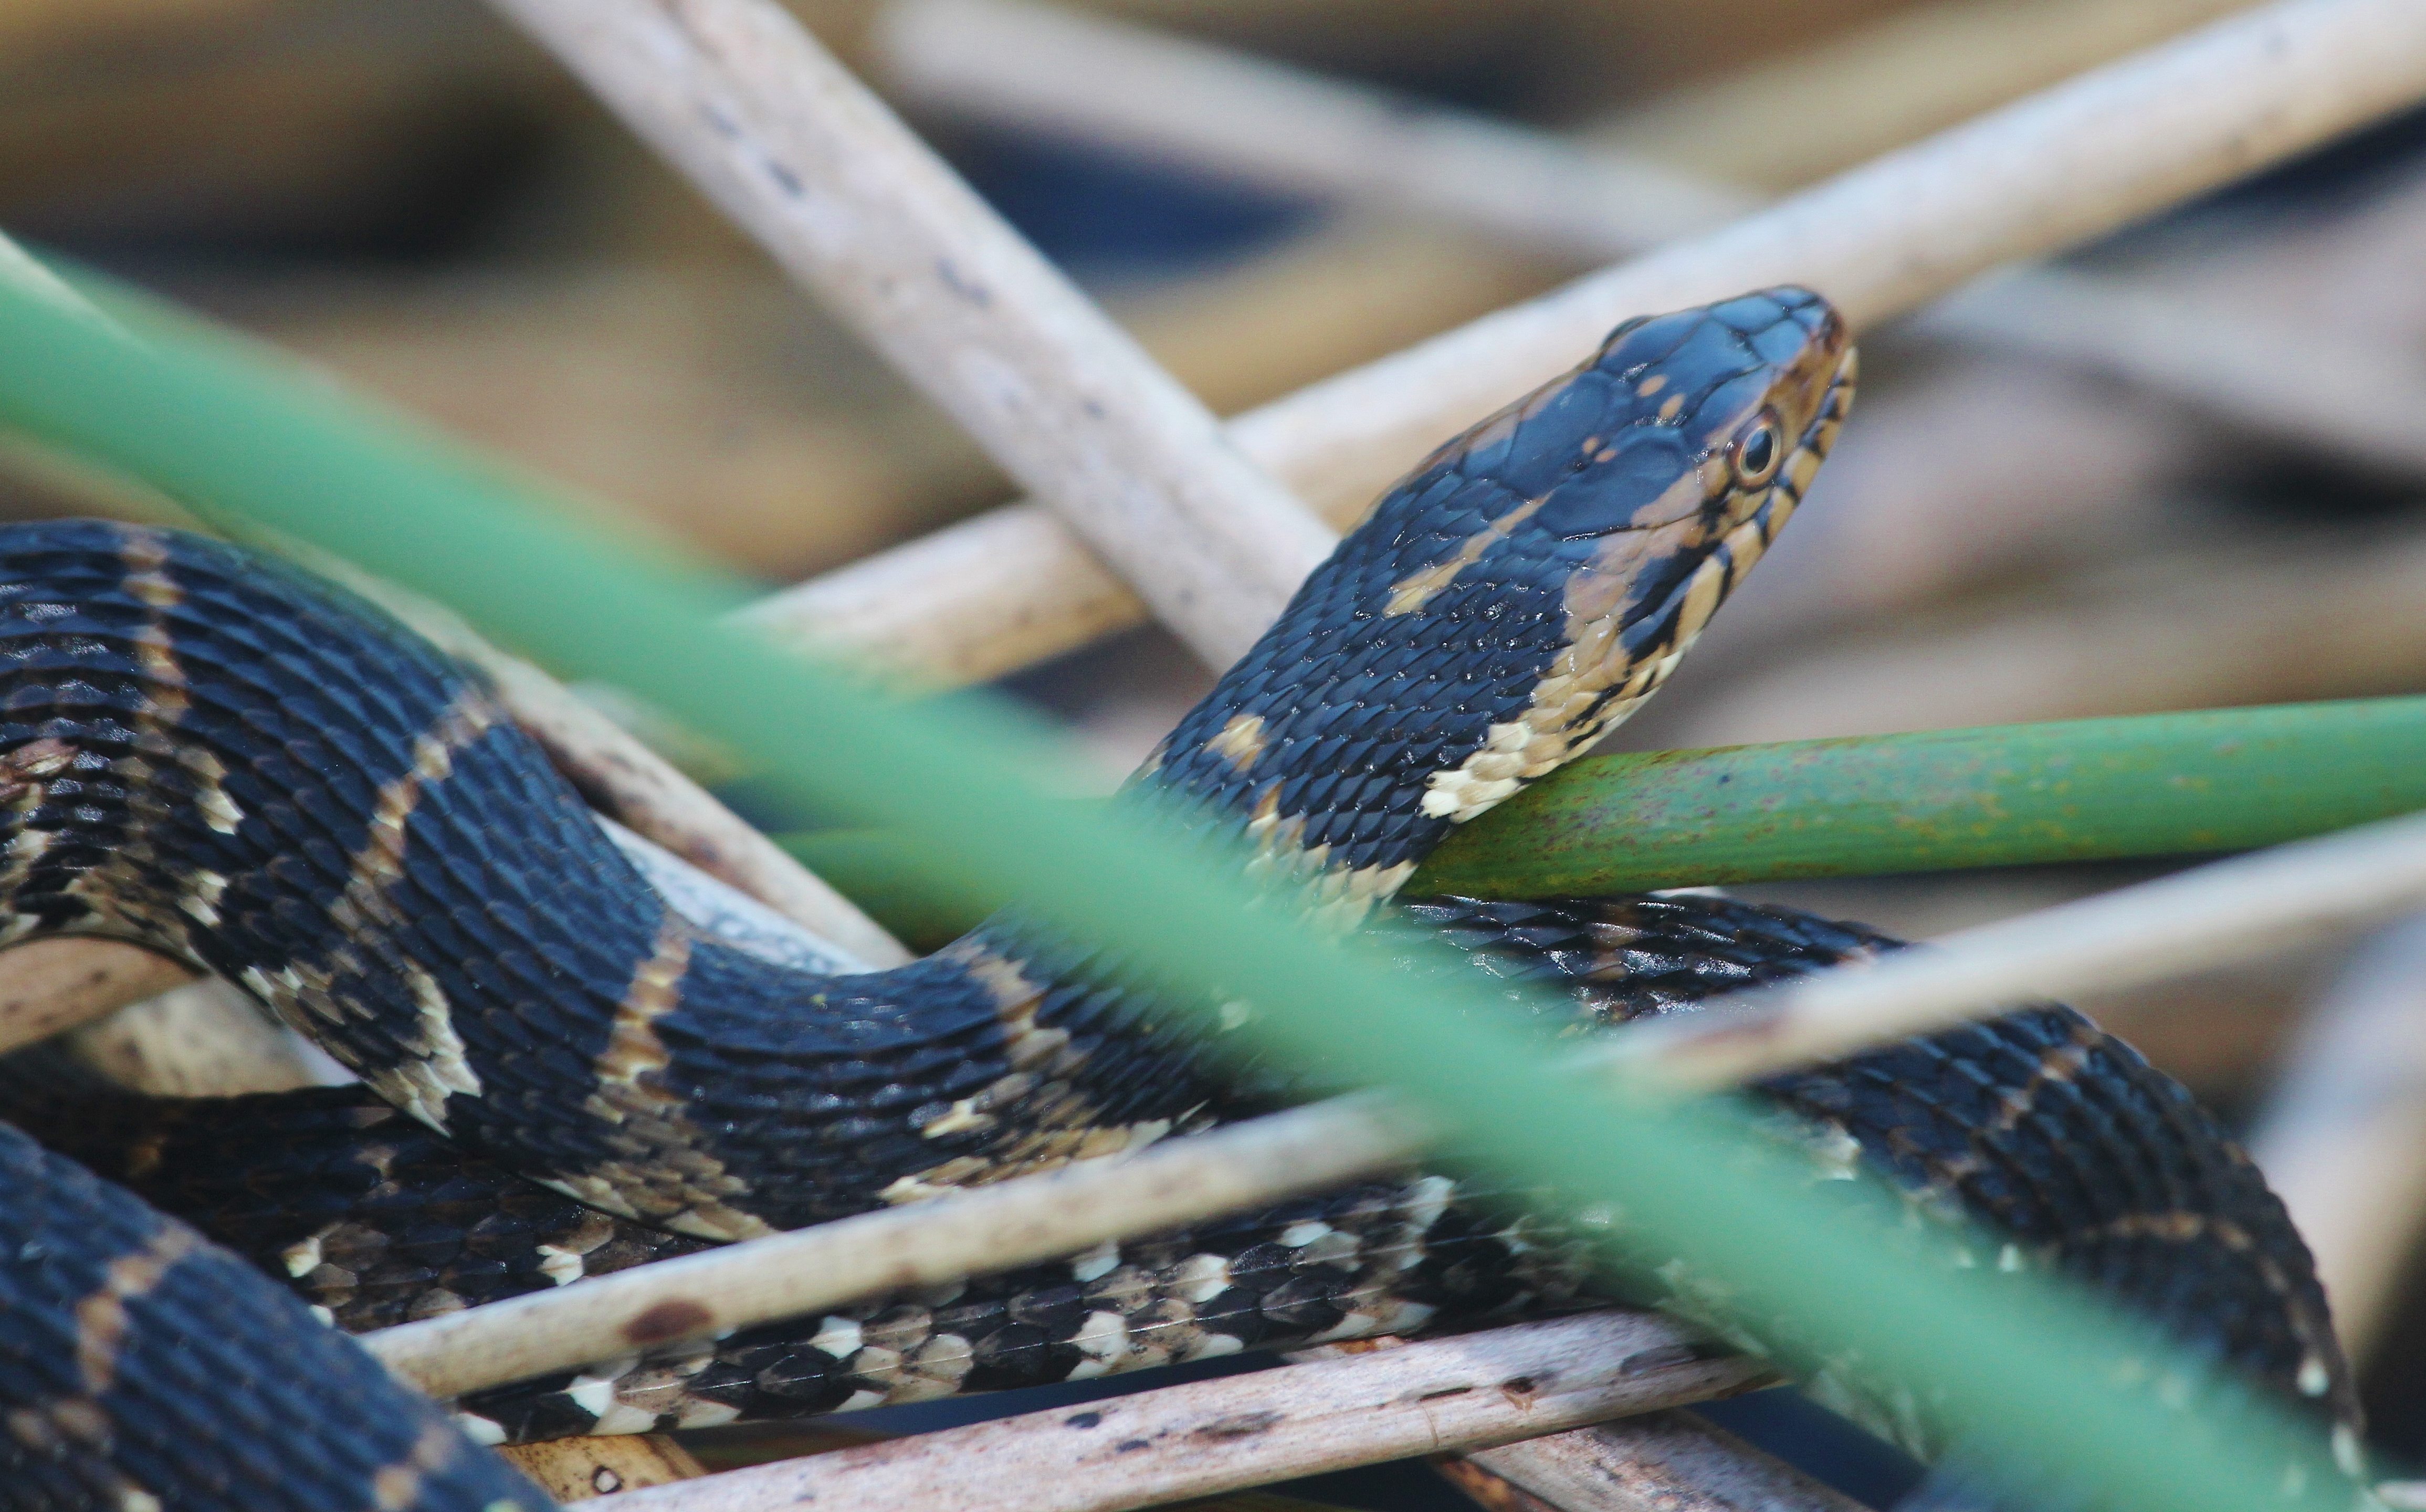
(229, 763)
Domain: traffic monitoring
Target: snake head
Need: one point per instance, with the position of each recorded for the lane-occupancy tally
(1519, 592)
(1652, 479)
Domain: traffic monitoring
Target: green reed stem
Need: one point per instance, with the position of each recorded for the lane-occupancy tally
(2006, 795)
(2044, 1372)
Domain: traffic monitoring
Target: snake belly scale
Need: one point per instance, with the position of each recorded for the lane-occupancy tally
(228, 762)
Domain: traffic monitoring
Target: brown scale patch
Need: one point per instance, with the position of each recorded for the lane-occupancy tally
(398, 1486)
(1039, 1057)
(1337, 898)
(1416, 589)
(23, 773)
(379, 862)
(49, 1428)
(2057, 1067)
(101, 1316)
(1059, 1127)
(109, 889)
(30, 763)
(304, 994)
(1241, 743)
(145, 554)
(659, 1173)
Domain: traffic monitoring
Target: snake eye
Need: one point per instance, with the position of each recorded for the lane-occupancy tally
(1758, 452)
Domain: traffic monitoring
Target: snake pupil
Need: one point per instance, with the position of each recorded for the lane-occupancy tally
(1757, 455)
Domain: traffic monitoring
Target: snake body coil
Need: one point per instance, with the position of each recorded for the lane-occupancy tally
(229, 763)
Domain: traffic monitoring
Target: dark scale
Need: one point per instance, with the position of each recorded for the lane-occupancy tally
(141, 1367)
(219, 758)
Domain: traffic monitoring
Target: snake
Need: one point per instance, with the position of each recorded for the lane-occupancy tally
(228, 761)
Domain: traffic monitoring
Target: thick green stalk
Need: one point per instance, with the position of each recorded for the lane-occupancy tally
(2006, 795)
(2044, 1373)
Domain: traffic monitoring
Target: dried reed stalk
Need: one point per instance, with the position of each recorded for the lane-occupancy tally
(2241, 909)
(2081, 158)
(1296, 132)
(1209, 1437)
(747, 103)
(50, 985)
(1673, 1462)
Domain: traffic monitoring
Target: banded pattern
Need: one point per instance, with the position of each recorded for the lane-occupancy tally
(142, 1369)
(2086, 1162)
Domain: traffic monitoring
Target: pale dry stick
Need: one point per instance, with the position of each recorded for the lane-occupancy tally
(1673, 1462)
(1209, 1437)
(2249, 907)
(50, 985)
(2343, 1139)
(205, 1039)
(747, 103)
(982, 1229)
(2357, 399)
(1050, 69)
(1294, 131)
(1874, 85)
(2081, 158)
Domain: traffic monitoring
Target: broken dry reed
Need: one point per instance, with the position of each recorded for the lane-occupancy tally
(2250, 906)
(972, 1233)
(1794, 114)
(1296, 132)
(2074, 161)
(1211, 1437)
(739, 97)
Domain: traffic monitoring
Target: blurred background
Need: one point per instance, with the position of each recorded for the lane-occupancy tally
(2019, 524)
